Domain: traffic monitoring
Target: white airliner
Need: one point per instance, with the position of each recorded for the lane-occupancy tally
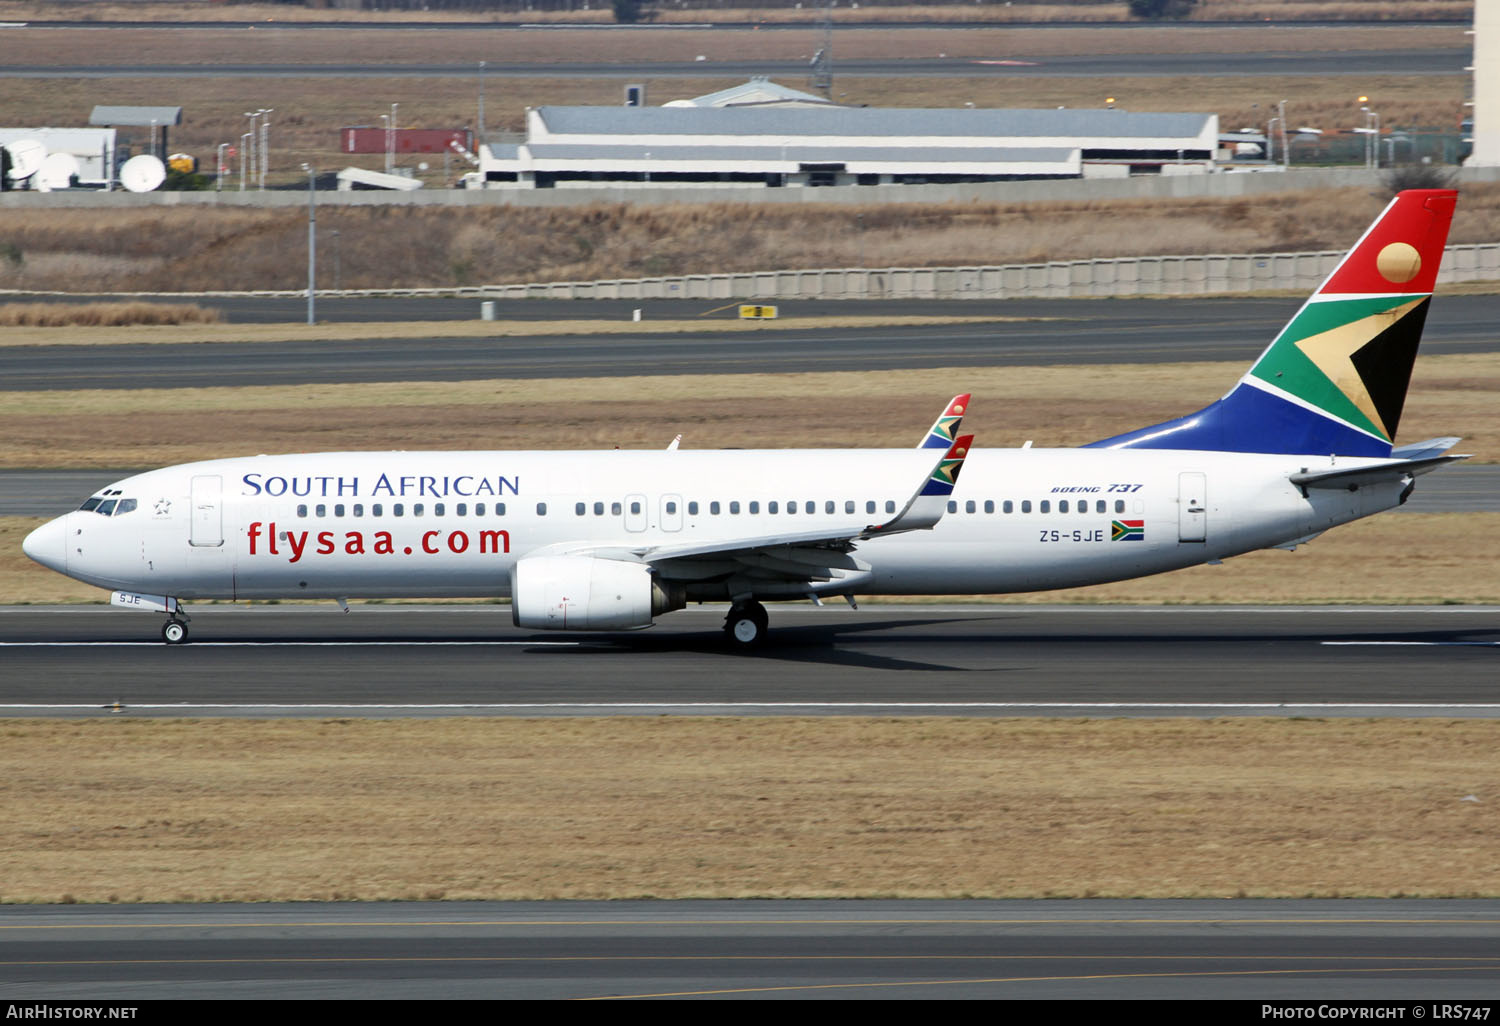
(598, 541)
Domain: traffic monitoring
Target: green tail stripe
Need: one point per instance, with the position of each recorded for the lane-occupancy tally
(1288, 368)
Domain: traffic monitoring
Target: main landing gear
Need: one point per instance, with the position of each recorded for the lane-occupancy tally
(745, 626)
(175, 631)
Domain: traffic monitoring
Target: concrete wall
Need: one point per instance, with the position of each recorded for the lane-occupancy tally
(1145, 187)
(1126, 276)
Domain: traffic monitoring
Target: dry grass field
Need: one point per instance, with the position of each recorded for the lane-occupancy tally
(1054, 406)
(127, 810)
(1021, 12)
(101, 315)
(171, 249)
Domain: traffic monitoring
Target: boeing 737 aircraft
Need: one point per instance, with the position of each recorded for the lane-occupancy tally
(597, 541)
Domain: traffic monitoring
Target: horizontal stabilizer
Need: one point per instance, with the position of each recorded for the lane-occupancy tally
(1355, 477)
(1423, 450)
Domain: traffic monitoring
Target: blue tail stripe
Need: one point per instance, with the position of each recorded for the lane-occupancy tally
(1250, 419)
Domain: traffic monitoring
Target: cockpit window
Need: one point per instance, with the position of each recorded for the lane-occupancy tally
(107, 507)
(89, 504)
(125, 506)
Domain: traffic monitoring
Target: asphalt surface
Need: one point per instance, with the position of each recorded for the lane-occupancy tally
(1290, 951)
(1063, 332)
(399, 660)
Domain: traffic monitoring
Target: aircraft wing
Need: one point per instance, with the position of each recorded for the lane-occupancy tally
(821, 555)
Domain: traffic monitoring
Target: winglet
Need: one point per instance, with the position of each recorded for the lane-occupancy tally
(925, 508)
(943, 430)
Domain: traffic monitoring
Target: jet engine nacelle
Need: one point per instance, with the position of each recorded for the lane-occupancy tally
(585, 593)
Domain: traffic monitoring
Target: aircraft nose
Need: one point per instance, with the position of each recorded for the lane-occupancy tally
(48, 545)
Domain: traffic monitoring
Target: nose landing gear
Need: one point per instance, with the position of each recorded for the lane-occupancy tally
(175, 631)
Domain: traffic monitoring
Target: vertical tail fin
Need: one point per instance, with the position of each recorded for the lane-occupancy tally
(1335, 378)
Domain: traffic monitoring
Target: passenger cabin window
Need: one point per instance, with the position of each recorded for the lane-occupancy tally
(754, 507)
(1008, 506)
(377, 510)
(1119, 505)
(598, 509)
(890, 506)
(970, 507)
(734, 508)
(462, 509)
(1062, 506)
(302, 509)
(713, 508)
(692, 509)
(323, 510)
(989, 505)
(1046, 506)
(870, 506)
(1025, 505)
(398, 509)
(416, 509)
(359, 509)
(579, 508)
(338, 510)
(437, 509)
(952, 506)
(615, 509)
(541, 509)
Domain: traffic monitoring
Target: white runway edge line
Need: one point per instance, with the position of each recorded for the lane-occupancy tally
(1417, 644)
(640, 706)
(366, 643)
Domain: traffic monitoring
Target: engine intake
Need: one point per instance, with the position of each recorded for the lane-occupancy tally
(585, 593)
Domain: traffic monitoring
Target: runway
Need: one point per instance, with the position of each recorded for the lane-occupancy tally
(1240, 63)
(937, 660)
(1059, 332)
(1291, 951)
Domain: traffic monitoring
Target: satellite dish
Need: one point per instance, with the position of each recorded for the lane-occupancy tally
(57, 172)
(142, 173)
(26, 156)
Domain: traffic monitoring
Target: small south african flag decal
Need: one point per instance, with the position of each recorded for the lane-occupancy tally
(1128, 530)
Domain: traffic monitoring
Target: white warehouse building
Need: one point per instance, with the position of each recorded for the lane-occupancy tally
(797, 146)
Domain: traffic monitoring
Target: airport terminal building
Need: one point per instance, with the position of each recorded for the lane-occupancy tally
(797, 146)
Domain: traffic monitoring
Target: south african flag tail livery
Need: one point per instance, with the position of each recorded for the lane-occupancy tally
(1334, 380)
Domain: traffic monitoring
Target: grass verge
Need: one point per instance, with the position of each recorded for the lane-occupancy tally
(727, 808)
(1054, 406)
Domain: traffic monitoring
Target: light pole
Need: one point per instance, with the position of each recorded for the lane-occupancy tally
(392, 168)
(312, 241)
(387, 119)
(252, 115)
(1286, 152)
(265, 145)
(244, 157)
(481, 102)
(338, 283)
(219, 170)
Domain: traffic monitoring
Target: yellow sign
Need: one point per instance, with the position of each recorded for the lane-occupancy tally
(757, 313)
